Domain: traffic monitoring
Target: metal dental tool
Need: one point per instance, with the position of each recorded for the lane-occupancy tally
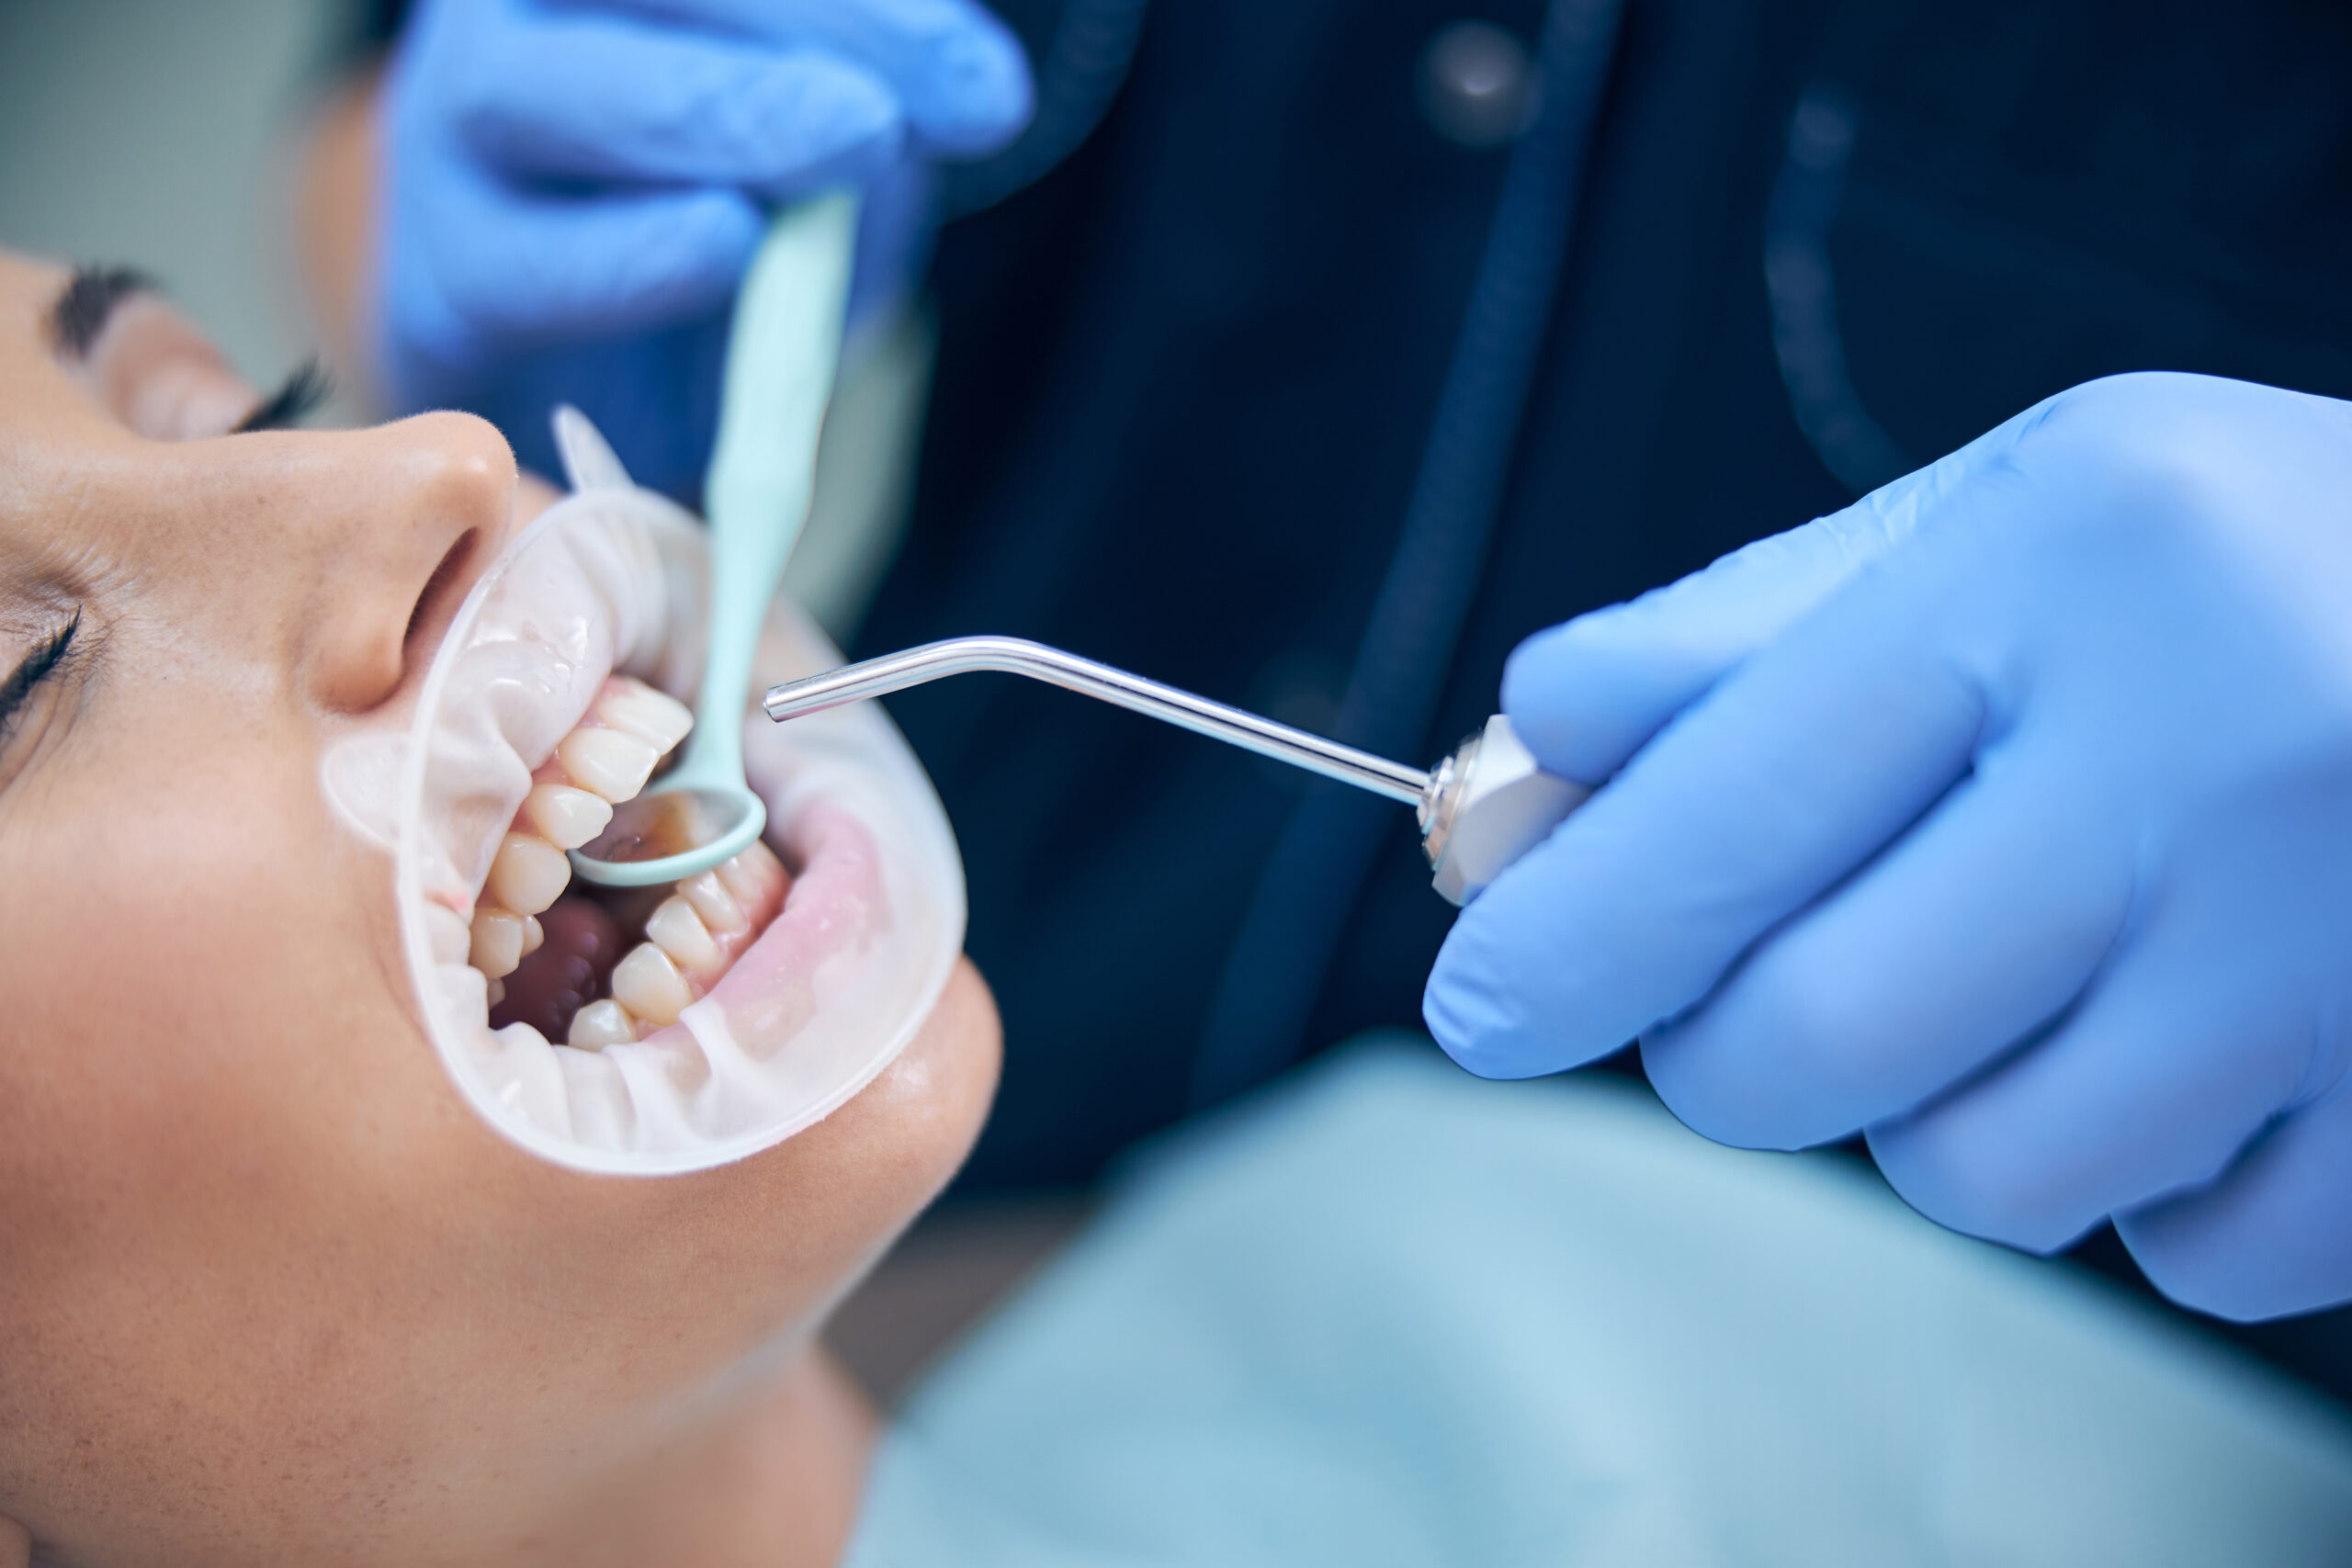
(1479, 809)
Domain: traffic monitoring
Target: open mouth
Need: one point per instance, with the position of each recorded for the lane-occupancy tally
(596, 966)
(667, 1028)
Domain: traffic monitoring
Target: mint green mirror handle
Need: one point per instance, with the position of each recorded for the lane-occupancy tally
(782, 354)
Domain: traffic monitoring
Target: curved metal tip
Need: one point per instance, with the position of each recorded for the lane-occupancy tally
(1017, 656)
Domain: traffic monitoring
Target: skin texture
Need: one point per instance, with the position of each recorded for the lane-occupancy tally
(273, 1294)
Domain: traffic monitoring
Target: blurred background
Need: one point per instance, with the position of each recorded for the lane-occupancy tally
(155, 134)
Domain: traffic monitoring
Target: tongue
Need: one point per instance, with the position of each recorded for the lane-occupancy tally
(567, 971)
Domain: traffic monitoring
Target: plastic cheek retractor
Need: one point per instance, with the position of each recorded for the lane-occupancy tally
(808, 1008)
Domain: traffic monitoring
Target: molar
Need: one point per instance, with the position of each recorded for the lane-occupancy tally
(565, 817)
(647, 984)
(528, 874)
(610, 762)
(635, 709)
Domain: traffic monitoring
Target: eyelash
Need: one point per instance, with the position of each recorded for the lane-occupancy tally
(297, 396)
(39, 665)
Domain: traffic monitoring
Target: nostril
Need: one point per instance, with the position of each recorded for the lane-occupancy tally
(435, 603)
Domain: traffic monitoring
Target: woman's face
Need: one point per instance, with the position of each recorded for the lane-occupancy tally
(270, 1288)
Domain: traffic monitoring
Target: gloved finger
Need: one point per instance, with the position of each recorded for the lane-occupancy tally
(960, 74)
(1585, 695)
(2273, 1236)
(533, 268)
(1796, 769)
(1970, 932)
(597, 99)
(2138, 1093)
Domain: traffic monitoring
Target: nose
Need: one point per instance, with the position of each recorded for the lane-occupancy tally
(405, 519)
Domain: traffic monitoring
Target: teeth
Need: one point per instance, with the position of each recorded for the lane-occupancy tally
(528, 874)
(716, 907)
(565, 817)
(690, 936)
(445, 930)
(749, 875)
(638, 709)
(676, 930)
(650, 985)
(497, 945)
(610, 762)
(600, 1024)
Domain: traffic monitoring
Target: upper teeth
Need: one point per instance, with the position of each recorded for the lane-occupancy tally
(601, 766)
(655, 717)
(565, 817)
(610, 763)
(528, 874)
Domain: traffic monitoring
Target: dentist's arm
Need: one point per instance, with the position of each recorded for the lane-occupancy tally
(2006, 815)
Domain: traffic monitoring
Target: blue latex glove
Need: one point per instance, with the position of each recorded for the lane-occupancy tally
(2006, 815)
(571, 188)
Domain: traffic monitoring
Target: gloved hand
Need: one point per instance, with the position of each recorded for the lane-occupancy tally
(2006, 815)
(571, 189)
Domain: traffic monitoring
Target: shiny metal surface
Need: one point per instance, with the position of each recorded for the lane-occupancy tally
(1017, 656)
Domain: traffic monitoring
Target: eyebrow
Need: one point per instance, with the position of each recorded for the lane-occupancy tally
(88, 302)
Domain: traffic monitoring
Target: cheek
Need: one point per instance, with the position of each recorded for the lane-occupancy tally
(214, 1094)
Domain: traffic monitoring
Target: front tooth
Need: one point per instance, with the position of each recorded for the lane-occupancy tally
(528, 874)
(676, 930)
(638, 708)
(613, 763)
(650, 985)
(565, 817)
(534, 934)
(600, 1024)
(716, 907)
(495, 990)
(497, 941)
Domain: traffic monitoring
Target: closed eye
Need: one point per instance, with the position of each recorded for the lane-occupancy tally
(299, 395)
(37, 666)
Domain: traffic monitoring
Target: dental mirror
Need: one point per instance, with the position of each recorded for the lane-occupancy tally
(781, 354)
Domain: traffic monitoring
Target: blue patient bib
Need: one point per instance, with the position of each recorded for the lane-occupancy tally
(1392, 1315)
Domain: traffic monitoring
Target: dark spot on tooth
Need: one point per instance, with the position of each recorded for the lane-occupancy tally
(569, 970)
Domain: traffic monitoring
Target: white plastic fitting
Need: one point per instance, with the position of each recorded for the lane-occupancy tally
(1487, 805)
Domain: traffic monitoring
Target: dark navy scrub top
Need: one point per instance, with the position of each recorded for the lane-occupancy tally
(1185, 380)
